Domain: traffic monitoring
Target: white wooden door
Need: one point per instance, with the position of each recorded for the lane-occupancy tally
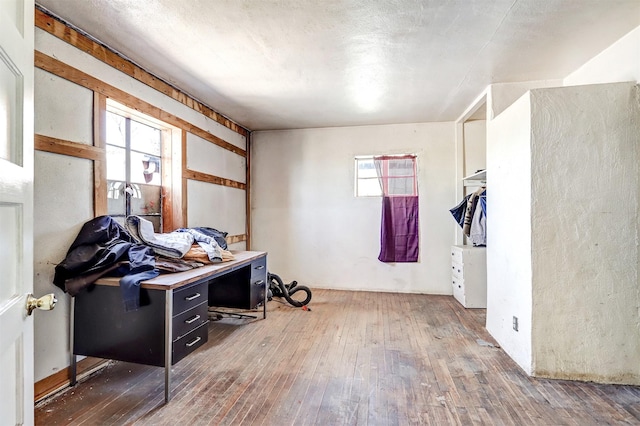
(16, 210)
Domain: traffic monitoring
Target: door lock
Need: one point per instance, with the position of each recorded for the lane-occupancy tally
(45, 303)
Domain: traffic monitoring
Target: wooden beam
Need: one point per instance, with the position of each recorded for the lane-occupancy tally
(232, 239)
(183, 181)
(173, 212)
(248, 193)
(107, 55)
(100, 165)
(62, 70)
(205, 177)
(63, 147)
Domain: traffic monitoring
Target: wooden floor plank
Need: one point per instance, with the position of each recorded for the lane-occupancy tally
(357, 358)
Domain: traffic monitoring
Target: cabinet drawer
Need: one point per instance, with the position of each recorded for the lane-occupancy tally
(189, 343)
(458, 290)
(259, 269)
(457, 270)
(187, 298)
(189, 320)
(456, 255)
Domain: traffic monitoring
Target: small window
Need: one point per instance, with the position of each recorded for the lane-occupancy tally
(391, 175)
(134, 159)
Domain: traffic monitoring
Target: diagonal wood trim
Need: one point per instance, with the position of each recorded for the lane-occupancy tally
(210, 137)
(205, 177)
(105, 54)
(57, 381)
(62, 70)
(63, 147)
(232, 239)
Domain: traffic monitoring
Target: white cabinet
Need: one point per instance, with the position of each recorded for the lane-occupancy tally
(469, 275)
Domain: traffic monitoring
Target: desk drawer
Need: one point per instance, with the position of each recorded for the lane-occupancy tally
(259, 269)
(258, 286)
(189, 320)
(187, 298)
(189, 343)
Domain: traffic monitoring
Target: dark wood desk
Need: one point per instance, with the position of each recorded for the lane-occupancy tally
(173, 315)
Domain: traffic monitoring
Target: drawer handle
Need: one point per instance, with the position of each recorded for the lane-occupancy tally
(259, 267)
(192, 320)
(260, 282)
(196, 340)
(192, 297)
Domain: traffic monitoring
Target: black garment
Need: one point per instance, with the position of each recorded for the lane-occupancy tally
(102, 247)
(459, 211)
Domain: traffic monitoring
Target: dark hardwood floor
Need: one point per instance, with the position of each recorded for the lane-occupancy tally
(356, 358)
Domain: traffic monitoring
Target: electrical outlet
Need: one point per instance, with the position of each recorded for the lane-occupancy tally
(515, 323)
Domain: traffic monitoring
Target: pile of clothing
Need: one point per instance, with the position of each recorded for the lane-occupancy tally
(136, 253)
(471, 215)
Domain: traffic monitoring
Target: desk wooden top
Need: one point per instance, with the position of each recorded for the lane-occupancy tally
(179, 279)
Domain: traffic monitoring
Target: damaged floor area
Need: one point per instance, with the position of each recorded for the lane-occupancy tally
(354, 358)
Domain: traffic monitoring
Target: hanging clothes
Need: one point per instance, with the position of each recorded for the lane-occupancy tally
(478, 230)
(471, 215)
(458, 211)
(471, 207)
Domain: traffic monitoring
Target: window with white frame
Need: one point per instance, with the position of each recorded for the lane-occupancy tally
(389, 175)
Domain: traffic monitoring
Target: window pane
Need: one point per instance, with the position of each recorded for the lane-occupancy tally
(401, 186)
(401, 167)
(145, 138)
(368, 188)
(115, 198)
(116, 132)
(116, 163)
(366, 168)
(148, 200)
(145, 169)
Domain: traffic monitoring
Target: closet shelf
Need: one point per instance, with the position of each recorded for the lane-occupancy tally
(476, 179)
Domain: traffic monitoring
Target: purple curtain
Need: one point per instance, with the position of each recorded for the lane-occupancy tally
(399, 230)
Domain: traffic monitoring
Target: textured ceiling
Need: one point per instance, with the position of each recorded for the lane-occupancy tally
(300, 63)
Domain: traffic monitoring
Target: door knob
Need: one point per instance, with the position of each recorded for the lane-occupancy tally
(46, 303)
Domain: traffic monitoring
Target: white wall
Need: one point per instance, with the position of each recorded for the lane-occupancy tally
(585, 143)
(63, 200)
(212, 205)
(541, 346)
(64, 185)
(509, 291)
(475, 146)
(562, 254)
(305, 215)
(619, 62)
(500, 96)
(216, 206)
